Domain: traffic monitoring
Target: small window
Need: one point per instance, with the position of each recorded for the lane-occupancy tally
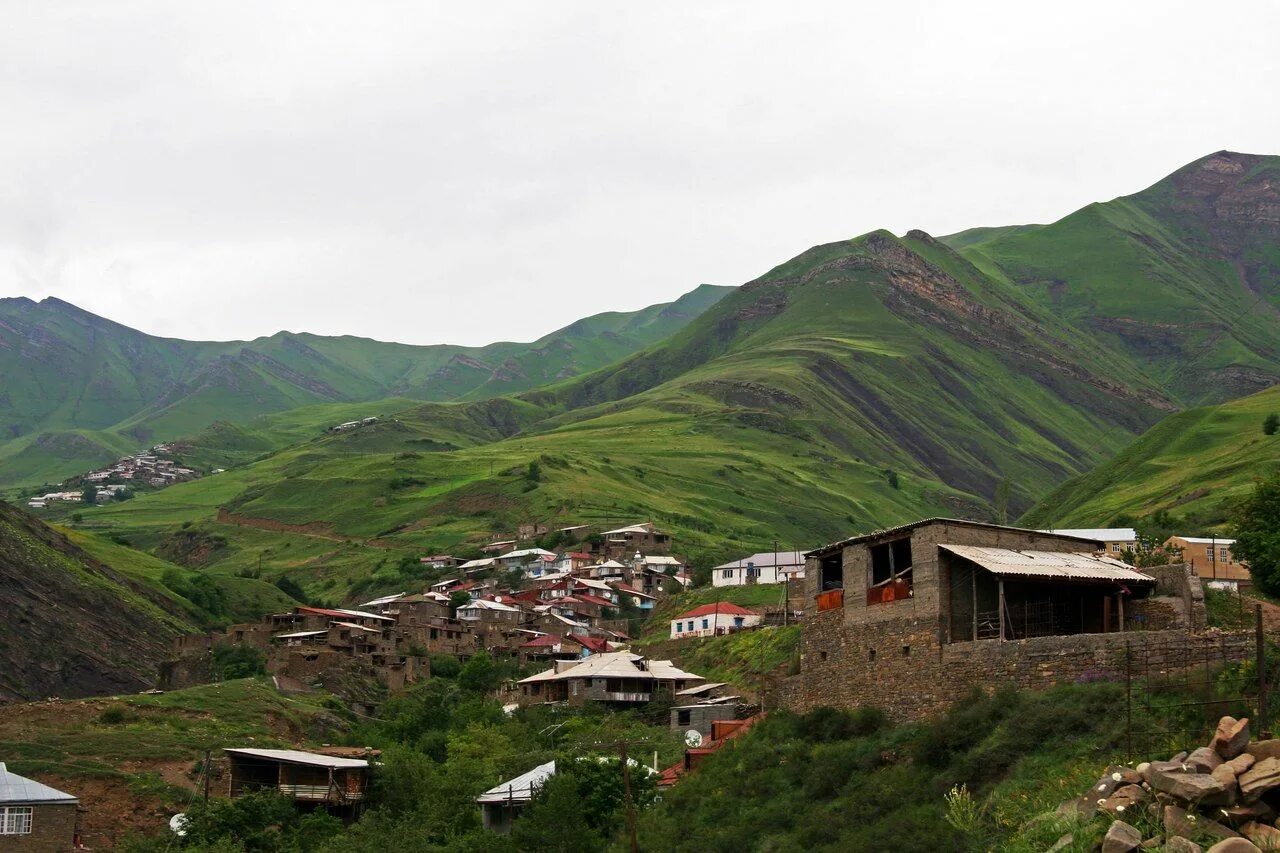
(1224, 554)
(822, 656)
(871, 655)
(1208, 552)
(727, 573)
(683, 717)
(1115, 546)
(906, 651)
(15, 820)
(679, 627)
(706, 623)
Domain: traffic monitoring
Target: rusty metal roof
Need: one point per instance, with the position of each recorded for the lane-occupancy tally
(1050, 565)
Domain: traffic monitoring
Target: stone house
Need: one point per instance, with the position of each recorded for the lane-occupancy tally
(35, 818)
(913, 618)
(613, 678)
(336, 784)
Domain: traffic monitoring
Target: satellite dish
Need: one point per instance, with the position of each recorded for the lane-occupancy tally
(178, 823)
(693, 738)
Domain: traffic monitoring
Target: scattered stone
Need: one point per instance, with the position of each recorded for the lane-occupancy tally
(1142, 768)
(1259, 779)
(1178, 844)
(1240, 763)
(1261, 749)
(1228, 779)
(1178, 822)
(1203, 760)
(1121, 838)
(1199, 789)
(1235, 845)
(1240, 814)
(1179, 758)
(1231, 737)
(1266, 837)
(1063, 843)
(1162, 767)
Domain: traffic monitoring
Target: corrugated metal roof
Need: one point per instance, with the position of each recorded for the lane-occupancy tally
(521, 788)
(297, 756)
(300, 634)
(906, 528)
(766, 560)
(1203, 540)
(1050, 565)
(20, 789)
(1102, 534)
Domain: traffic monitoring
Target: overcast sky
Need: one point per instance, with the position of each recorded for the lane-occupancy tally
(466, 172)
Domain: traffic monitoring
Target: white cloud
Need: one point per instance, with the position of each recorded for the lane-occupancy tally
(468, 172)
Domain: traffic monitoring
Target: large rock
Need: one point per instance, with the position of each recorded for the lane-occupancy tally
(1198, 789)
(1178, 844)
(1124, 799)
(1121, 838)
(1261, 749)
(1178, 822)
(1240, 763)
(1259, 779)
(1243, 813)
(1228, 779)
(1266, 837)
(1235, 845)
(1203, 760)
(1231, 737)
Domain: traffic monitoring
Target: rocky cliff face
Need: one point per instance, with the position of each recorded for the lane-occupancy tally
(71, 626)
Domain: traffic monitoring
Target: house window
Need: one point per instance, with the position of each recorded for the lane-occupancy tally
(706, 623)
(890, 571)
(679, 627)
(737, 621)
(683, 717)
(1115, 546)
(727, 573)
(1224, 554)
(15, 820)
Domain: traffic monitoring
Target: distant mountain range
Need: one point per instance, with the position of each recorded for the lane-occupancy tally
(862, 383)
(79, 389)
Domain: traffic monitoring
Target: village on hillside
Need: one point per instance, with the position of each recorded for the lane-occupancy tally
(152, 469)
(911, 617)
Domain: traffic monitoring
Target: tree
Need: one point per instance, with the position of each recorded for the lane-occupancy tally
(1257, 529)
(1003, 491)
(554, 820)
(1270, 424)
(479, 674)
(291, 588)
(89, 495)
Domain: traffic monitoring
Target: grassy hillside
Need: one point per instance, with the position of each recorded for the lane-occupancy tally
(862, 383)
(1194, 464)
(80, 390)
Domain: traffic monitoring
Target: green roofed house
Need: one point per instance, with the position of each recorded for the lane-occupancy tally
(35, 818)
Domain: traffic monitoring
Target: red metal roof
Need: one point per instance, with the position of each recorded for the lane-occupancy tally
(320, 611)
(544, 640)
(725, 607)
(595, 644)
(593, 599)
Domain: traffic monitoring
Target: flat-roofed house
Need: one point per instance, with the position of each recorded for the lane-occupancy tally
(35, 818)
(1210, 557)
(335, 783)
(765, 567)
(1115, 540)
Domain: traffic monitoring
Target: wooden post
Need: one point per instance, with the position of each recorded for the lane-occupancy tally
(626, 792)
(1106, 614)
(1120, 609)
(973, 576)
(1002, 610)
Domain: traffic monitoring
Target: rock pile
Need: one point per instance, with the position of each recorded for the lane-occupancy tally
(1224, 795)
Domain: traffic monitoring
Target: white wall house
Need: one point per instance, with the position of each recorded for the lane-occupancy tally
(1114, 539)
(712, 619)
(760, 568)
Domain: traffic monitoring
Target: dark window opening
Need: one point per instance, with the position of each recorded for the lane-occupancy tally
(683, 717)
(890, 572)
(832, 572)
(822, 655)
(906, 651)
(871, 655)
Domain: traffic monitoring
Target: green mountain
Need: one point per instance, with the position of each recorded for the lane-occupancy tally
(862, 383)
(81, 390)
(1194, 464)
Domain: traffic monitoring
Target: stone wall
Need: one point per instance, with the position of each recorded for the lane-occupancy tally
(903, 668)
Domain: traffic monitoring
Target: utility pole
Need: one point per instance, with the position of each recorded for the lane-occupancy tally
(626, 793)
(206, 775)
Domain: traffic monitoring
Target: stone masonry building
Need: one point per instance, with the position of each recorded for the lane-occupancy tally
(914, 618)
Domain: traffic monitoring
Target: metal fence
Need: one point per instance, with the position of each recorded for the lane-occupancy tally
(1176, 691)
